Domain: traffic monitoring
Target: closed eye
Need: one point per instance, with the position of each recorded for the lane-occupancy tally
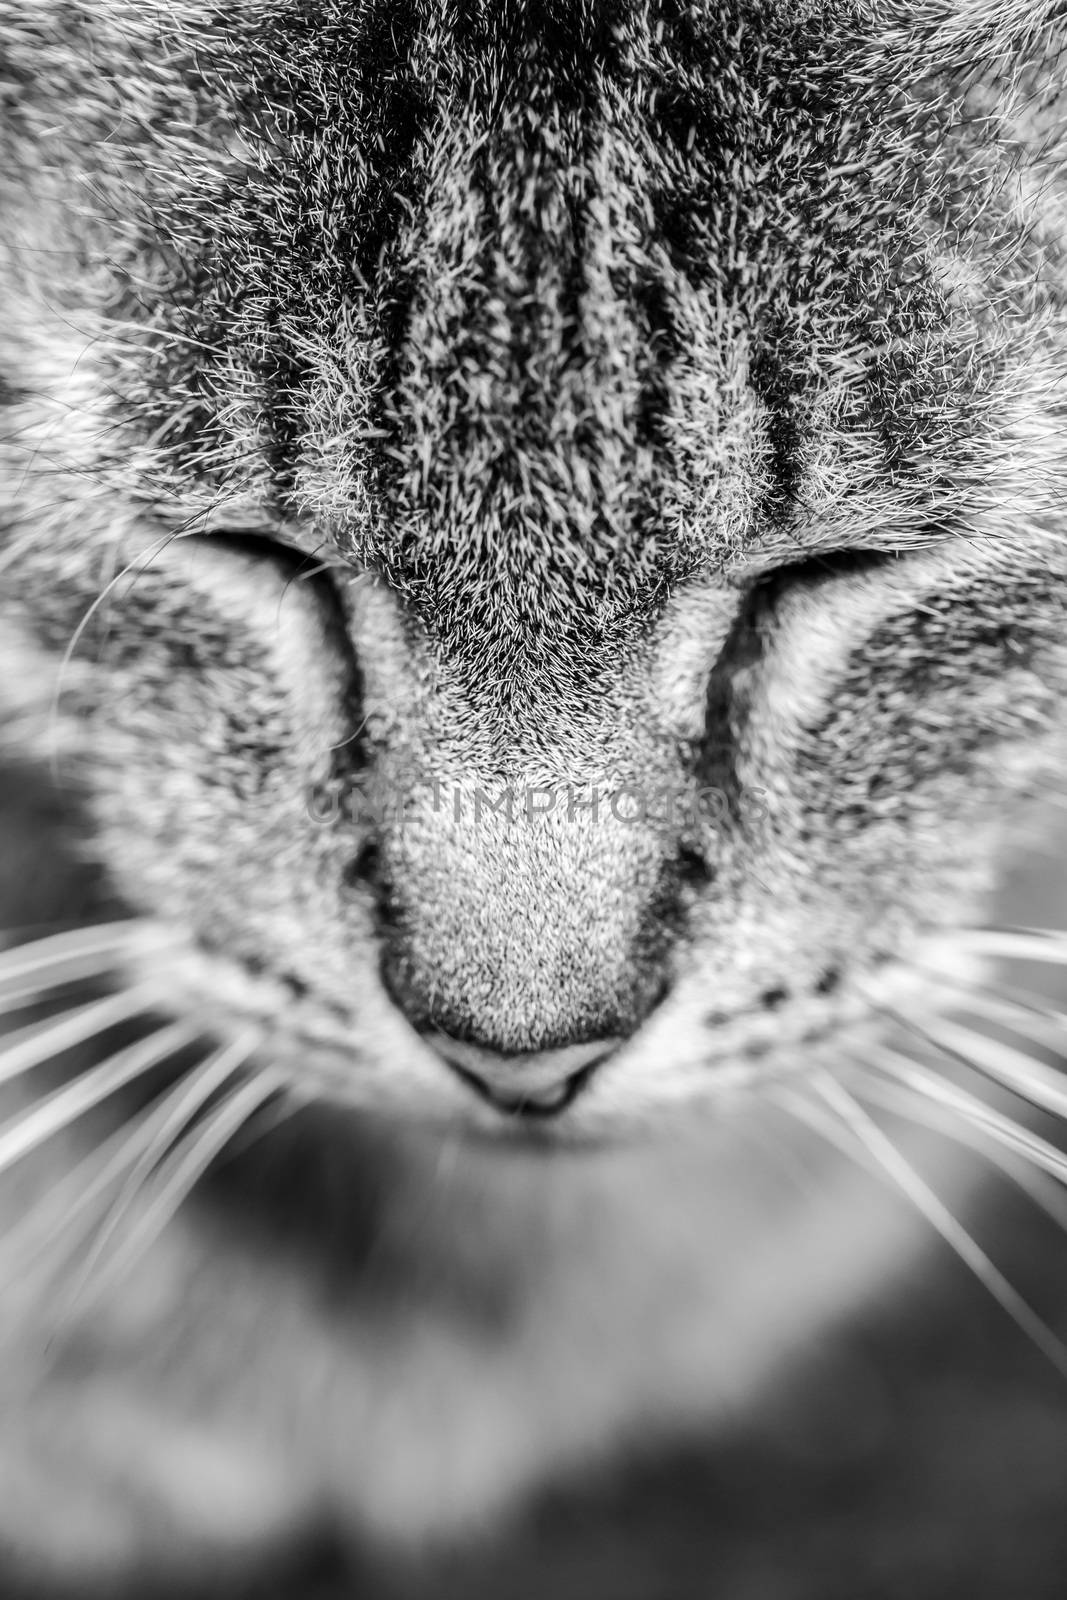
(294, 566)
(300, 564)
(837, 563)
(820, 566)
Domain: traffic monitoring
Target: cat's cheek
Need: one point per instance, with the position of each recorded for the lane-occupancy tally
(205, 740)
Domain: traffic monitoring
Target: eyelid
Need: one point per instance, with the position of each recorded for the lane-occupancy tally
(814, 565)
(260, 545)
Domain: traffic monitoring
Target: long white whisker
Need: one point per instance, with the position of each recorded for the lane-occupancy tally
(1042, 1025)
(78, 953)
(1004, 1002)
(42, 1041)
(67, 1213)
(58, 1110)
(181, 1171)
(285, 1108)
(46, 989)
(1042, 1085)
(904, 1176)
(31, 994)
(66, 1210)
(188, 1099)
(816, 1117)
(1015, 944)
(912, 1104)
(1008, 1133)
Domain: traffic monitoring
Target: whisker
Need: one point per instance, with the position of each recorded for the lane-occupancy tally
(1044, 1086)
(804, 1110)
(183, 1105)
(180, 1172)
(995, 999)
(78, 953)
(904, 1176)
(912, 1104)
(49, 986)
(66, 1212)
(1043, 1025)
(1010, 1134)
(31, 994)
(58, 1110)
(286, 1107)
(42, 1041)
(1015, 944)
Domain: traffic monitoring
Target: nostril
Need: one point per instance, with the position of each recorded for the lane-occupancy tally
(538, 1083)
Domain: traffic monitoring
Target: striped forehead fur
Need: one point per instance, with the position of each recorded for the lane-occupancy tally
(542, 309)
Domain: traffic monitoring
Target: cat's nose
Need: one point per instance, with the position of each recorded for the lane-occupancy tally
(530, 1083)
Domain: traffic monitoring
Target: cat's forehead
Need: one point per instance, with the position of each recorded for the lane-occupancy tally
(539, 311)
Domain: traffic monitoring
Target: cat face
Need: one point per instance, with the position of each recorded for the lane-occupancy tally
(538, 545)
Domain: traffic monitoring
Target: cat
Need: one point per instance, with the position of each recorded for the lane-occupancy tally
(532, 627)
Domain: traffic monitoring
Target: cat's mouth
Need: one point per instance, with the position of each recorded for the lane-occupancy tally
(373, 1059)
(235, 1065)
(272, 1043)
(535, 1084)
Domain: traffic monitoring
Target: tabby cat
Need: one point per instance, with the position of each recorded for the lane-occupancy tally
(532, 624)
